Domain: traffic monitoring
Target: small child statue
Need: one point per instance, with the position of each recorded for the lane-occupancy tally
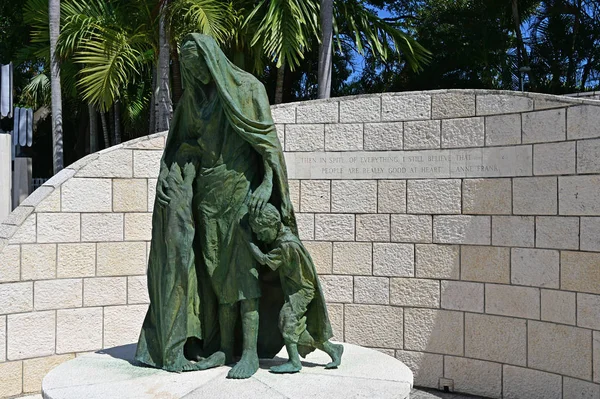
(303, 319)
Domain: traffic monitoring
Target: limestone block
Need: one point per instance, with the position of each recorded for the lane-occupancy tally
(304, 137)
(573, 388)
(146, 163)
(583, 122)
(535, 267)
(554, 159)
(544, 126)
(58, 227)
(26, 232)
(34, 370)
(58, 294)
(590, 234)
(16, 297)
(318, 112)
(415, 292)
(503, 129)
(462, 229)
(405, 107)
(579, 195)
(391, 196)
(588, 311)
(411, 228)
(79, 330)
(558, 306)
(337, 288)
(358, 196)
(338, 227)
(306, 225)
(588, 156)
(315, 195)
(38, 261)
(535, 196)
(31, 335)
(422, 135)
(429, 330)
(437, 261)
(489, 104)
(10, 263)
(105, 291)
(130, 195)
(499, 339)
(487, 196)
(138, 226)
(508, 300)
(383, 136)
(579, 271)
(460, 295)
(569, 352)
(513, 231)
(280, 128)
(151, 193)
(375, 325)
(284, 114)
(152, 142)
(427, 368)
(11, 379)
(372, 290)
(2, 338)
(365, 109)
(352, 258)
(344, 137)
(452, 105)
(118, 163)
(519, 383)
(121, 258)
(336, 318)
(393, 260)
(294, 187)
(373, 227)
(102, 227)
(434, 196)
(51, 203)
(596, 349)
(37, 196)
(557, 232)
(321, 253)
(474, 376)
(545, 103)
(122, 324)
(463, 132)
(76, 260)
(86, 195)
(137, 290)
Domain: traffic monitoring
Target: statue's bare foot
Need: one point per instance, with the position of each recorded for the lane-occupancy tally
(215, 360)
(335, 351)
(180, 364)
(287, 368)
(245, 368)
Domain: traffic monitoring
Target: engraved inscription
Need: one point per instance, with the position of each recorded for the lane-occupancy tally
(478, 162)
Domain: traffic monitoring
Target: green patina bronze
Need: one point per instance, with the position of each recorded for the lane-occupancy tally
(211, 296)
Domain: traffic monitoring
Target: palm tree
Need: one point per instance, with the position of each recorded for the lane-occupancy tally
(326, 49)
(57, 132)
(162, 94)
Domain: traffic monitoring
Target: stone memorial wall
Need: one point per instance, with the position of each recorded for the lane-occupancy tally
(458, 231)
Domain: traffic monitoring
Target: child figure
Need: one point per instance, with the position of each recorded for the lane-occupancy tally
(303, 319)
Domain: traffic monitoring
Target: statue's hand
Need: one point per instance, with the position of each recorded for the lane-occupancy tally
(260, 197)
(162, 185)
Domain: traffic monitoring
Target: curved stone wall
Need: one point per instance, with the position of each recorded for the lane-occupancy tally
(456, 230)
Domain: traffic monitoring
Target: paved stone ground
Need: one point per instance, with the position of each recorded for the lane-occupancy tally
(424, 393)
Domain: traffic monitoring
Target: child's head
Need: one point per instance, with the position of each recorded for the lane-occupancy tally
(266, 224)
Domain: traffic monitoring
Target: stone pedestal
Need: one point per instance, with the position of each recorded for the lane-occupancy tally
(364, 373)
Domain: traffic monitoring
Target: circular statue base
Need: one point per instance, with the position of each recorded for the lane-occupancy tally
(112, 373)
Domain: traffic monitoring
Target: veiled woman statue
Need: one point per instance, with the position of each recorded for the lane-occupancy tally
(222, 160)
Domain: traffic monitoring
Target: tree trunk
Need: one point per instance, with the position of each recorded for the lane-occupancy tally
(117, 112)
(105, 131)
(325, 50)
(152, 119)
(176, 71)
(164, 110)
(93, 128)
(57, 128)
(279, 86)
(523, 58)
